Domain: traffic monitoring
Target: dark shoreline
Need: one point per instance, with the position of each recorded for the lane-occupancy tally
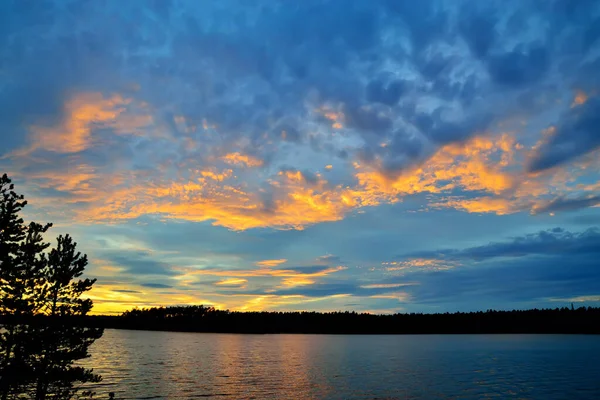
(354, 334)
(583, 320)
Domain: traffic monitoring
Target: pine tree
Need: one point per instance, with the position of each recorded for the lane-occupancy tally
(40, 301)
(21, 269)
(62, 341)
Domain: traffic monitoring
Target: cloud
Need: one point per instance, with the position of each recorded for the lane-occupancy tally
(577, 299)
(517, 282)
(232, 282)
(575, 135)
(287, 277)
(418, 264)
(242, 159)
(270, 263)
(520, 66)
(563, 203)
(156, 285)
(548, 242)
(138, 263)
(399, 296)
(384, 285)
(74, 133)
(403, 115)
(126, 291)
(329, 259)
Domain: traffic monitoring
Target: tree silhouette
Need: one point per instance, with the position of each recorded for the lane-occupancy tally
(39, 296)
(61, 341)
(21, 268)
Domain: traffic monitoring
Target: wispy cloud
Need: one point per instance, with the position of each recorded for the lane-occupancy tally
(232, 282)
(270, 263)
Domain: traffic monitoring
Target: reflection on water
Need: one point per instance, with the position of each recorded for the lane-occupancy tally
(140, 364)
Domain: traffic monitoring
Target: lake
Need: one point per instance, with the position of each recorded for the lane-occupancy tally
(152, 365)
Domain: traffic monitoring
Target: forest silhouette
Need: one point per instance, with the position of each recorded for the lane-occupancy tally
(209, 319)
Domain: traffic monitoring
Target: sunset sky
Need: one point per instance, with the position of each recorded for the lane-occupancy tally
(381, 156)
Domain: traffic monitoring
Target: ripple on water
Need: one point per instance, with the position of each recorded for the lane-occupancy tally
(156, 365)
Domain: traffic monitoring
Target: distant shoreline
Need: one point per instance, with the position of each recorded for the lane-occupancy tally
(583, 320)
(353, 334)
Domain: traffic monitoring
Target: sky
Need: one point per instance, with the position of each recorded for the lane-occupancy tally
(376, 156)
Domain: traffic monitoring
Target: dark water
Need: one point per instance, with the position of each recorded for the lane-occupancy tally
(138, 364)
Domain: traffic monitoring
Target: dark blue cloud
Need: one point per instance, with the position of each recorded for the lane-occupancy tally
(577, 133)
(478, 30)
(308, 269)
(426, 20)
(368, 120)
(388, 93)
(138, 263)
(153, 285)
(526, 271)
(330, 289)
(443, 131)
(520, 66)
(549, 242)
(526, 281)
(563, 203)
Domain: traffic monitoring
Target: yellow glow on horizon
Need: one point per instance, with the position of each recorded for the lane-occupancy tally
(107, 301)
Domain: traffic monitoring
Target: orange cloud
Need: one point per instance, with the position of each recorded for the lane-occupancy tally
(287, 277)
(477, 165)
(336, 117)
(482, 165)
(297, 281)
(489, 165)
(580, 98)
(232, 282)
(207, 196)
(270, 263)
(242, 159)
(220, 177)
(82, 111)
(285, 273)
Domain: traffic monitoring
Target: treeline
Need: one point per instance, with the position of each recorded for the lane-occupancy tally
(208, 319)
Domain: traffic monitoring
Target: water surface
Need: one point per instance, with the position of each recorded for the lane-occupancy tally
(141, 364)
